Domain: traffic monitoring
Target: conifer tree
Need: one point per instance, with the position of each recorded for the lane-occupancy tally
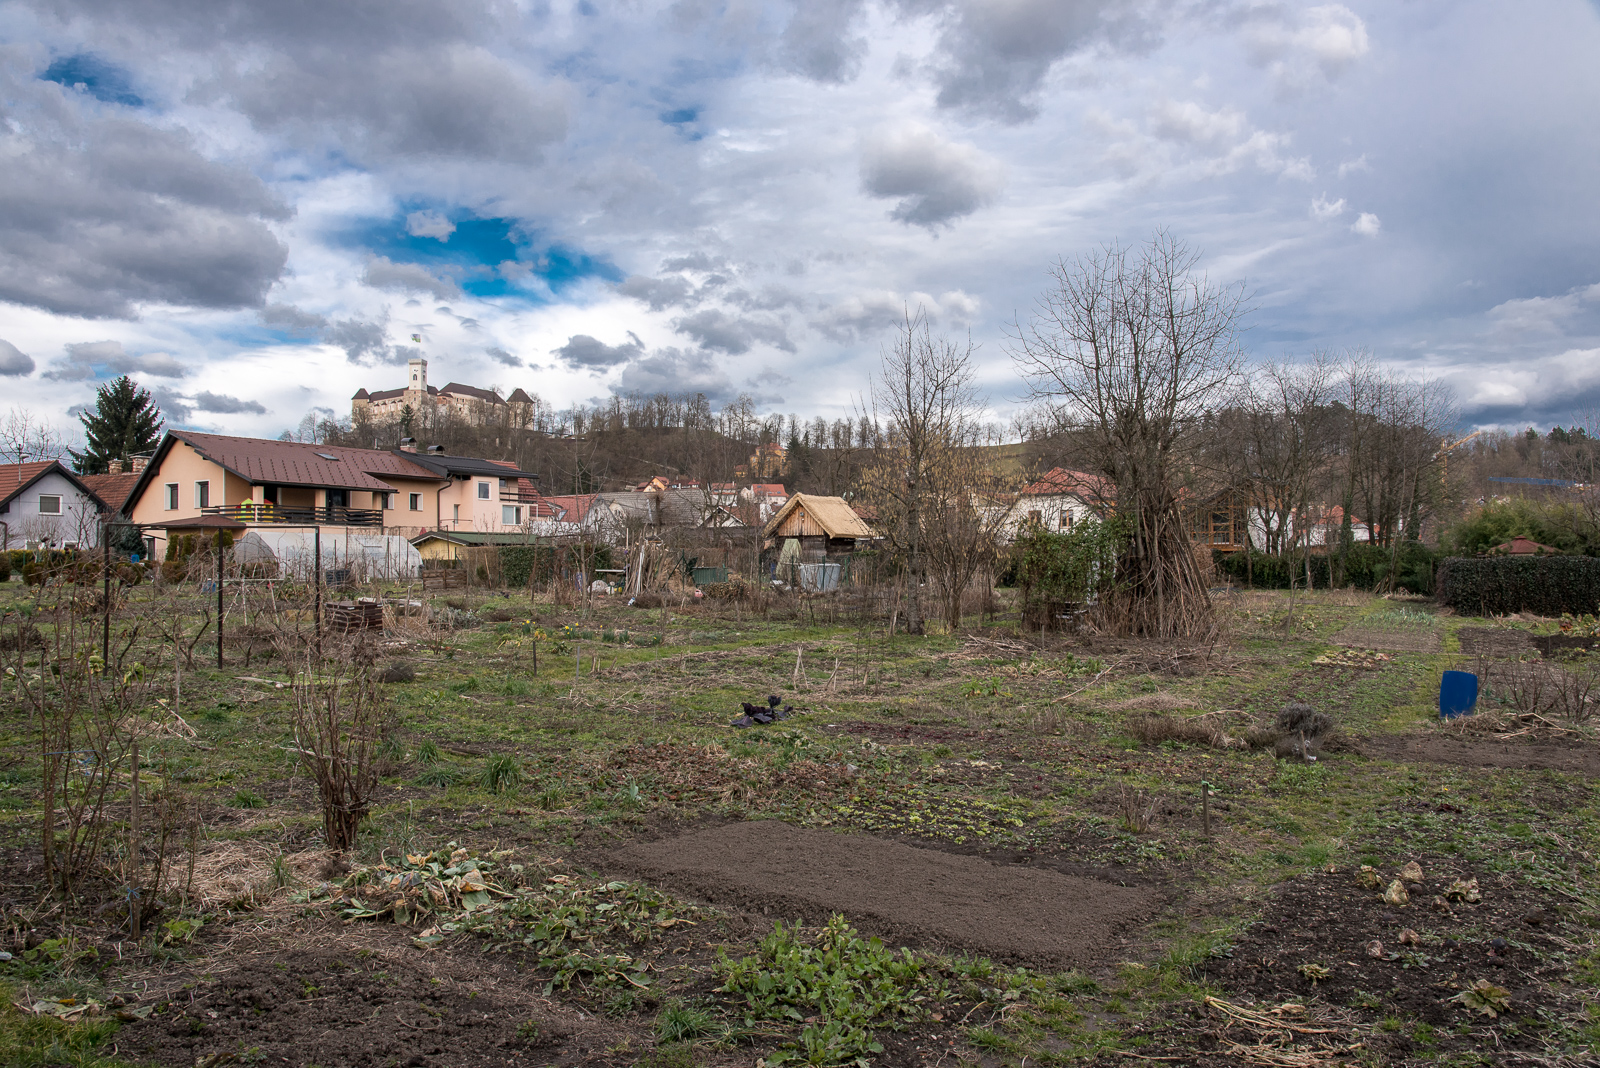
(125, 421)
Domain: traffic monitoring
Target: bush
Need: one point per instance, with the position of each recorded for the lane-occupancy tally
(518, 562)
(5, 567)
(1364, 566)
(1560, 525)
(1500, 585)
(35, 572)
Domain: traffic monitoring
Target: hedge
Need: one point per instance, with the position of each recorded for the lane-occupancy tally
(1500, 585)
(1365, 566)
(517, 562)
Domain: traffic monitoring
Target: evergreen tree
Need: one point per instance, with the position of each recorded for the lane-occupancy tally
(125, 421)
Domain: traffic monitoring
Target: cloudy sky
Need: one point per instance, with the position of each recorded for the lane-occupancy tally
(255, 207)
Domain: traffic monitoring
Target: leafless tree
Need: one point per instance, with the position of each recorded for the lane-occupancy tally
(1129, 348)
(921, 477)
(27, 438)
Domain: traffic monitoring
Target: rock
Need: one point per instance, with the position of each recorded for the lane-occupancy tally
(1408, 937)
(1534, 918)
(1367, 876)
(1374, 948)
(1464, 890)
(1396, 894)
(1441, 905)
(1412, 872)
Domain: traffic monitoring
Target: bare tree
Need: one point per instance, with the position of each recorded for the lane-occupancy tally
(920, 478)
(26, 438)
(1129, 349)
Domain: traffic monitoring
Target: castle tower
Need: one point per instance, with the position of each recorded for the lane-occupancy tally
(416, 382)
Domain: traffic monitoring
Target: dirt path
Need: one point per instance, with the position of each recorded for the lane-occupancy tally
(915, 896)
(1578, 759)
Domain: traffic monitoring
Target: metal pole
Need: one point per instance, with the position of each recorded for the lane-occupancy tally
(105, 629)
(316, 589)
(219, 598)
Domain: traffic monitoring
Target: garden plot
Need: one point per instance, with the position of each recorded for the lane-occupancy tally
(916, 896)
(1394, 629)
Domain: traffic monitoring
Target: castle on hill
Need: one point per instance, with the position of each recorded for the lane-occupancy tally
(469, 403)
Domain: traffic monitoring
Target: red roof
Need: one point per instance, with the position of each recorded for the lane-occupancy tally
(15, 476)
(113, 489)
(1521, 545)
(1060, 481)
(574, 507)
(769, 489)
(295, 463)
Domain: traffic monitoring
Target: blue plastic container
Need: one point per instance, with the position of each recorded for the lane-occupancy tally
(1458, 694)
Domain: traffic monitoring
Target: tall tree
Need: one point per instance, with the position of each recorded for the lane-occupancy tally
(125, 421)
(1129, 349)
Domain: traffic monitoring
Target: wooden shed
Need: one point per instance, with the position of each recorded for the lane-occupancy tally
(824, 526)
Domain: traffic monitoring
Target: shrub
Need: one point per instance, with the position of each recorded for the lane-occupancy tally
(5, 567)
(35, 572)
(1561, 525)
(502, 773)
(1363, 566)
(1501, 585)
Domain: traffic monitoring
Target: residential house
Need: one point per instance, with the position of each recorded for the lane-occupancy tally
(202, 480)
(768, 461)
(1057, 501)
(46, 505)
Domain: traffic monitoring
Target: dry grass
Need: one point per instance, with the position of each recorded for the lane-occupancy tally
(1160, 701)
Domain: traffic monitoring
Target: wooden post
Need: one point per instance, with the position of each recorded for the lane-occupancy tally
(535, 659)
(1205, 805)
(316, 589)
(577, 667)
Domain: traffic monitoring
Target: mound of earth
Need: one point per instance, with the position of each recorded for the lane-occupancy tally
(1575, 758)
(909, 895)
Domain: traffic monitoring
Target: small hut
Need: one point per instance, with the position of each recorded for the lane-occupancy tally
(823, 526)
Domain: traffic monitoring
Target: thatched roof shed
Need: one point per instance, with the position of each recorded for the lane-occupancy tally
(808, 516)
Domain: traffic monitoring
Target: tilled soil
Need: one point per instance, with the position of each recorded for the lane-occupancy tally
(331, 995)
(1575, 758)
(917, 897)
(1326, 920)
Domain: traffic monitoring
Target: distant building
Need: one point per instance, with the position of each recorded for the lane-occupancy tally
(768, 461)
(44, 505)
(470, 403)
(1057, 501)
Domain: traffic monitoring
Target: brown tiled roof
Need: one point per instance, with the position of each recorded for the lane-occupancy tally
(14, 476)
(519, 397)
(361, 394)
(294, 463)
(112, 489)
(460, 390)
(573, 506)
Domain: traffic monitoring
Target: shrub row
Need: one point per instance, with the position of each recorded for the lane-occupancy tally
(1363, 566)
(518, 562)
(1500, 585)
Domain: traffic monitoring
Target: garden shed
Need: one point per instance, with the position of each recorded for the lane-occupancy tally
(823, 526)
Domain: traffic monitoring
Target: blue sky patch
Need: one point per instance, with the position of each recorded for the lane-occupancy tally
(101, 80)
(475, 252)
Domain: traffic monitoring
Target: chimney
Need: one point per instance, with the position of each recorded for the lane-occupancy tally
(138, 463)
(113, 467)
(408, 444)
(435, 450)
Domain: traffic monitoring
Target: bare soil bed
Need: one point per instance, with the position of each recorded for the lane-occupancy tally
(329, 994)
(1576, 758)
(1312, 942)
(918, 897)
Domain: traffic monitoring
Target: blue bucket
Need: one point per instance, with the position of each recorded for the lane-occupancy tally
(1458, 694)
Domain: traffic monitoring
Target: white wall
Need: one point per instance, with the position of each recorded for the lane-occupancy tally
(79, 521)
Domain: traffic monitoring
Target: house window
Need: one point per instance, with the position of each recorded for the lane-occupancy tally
(202, 495)
(49, 504)
(455, 513)
(416, 502)
(1066, 519)
(511, 515)
(172, 496)
(1036, 517)
(483, 491)
(385, 501)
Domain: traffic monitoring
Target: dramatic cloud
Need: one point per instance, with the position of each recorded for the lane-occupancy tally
(500, 355)
(363, 342)
(818, 43)
(581, 350)
(383, 273)
(994, 54)
(13, 361)
(100, 359)
(223, 404)
(292, 320)
(659, 293)
(676, 371)
(101, 213)
(716, 329)
(937, 181)
(174, 406)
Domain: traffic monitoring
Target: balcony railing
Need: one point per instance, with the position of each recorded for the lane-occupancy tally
(334, 516)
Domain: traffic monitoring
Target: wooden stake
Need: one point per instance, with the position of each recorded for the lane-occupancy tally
(1205, 805)
(133, 849)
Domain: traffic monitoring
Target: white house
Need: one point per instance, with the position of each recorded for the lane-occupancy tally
(44, 505)
(1057, 501)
